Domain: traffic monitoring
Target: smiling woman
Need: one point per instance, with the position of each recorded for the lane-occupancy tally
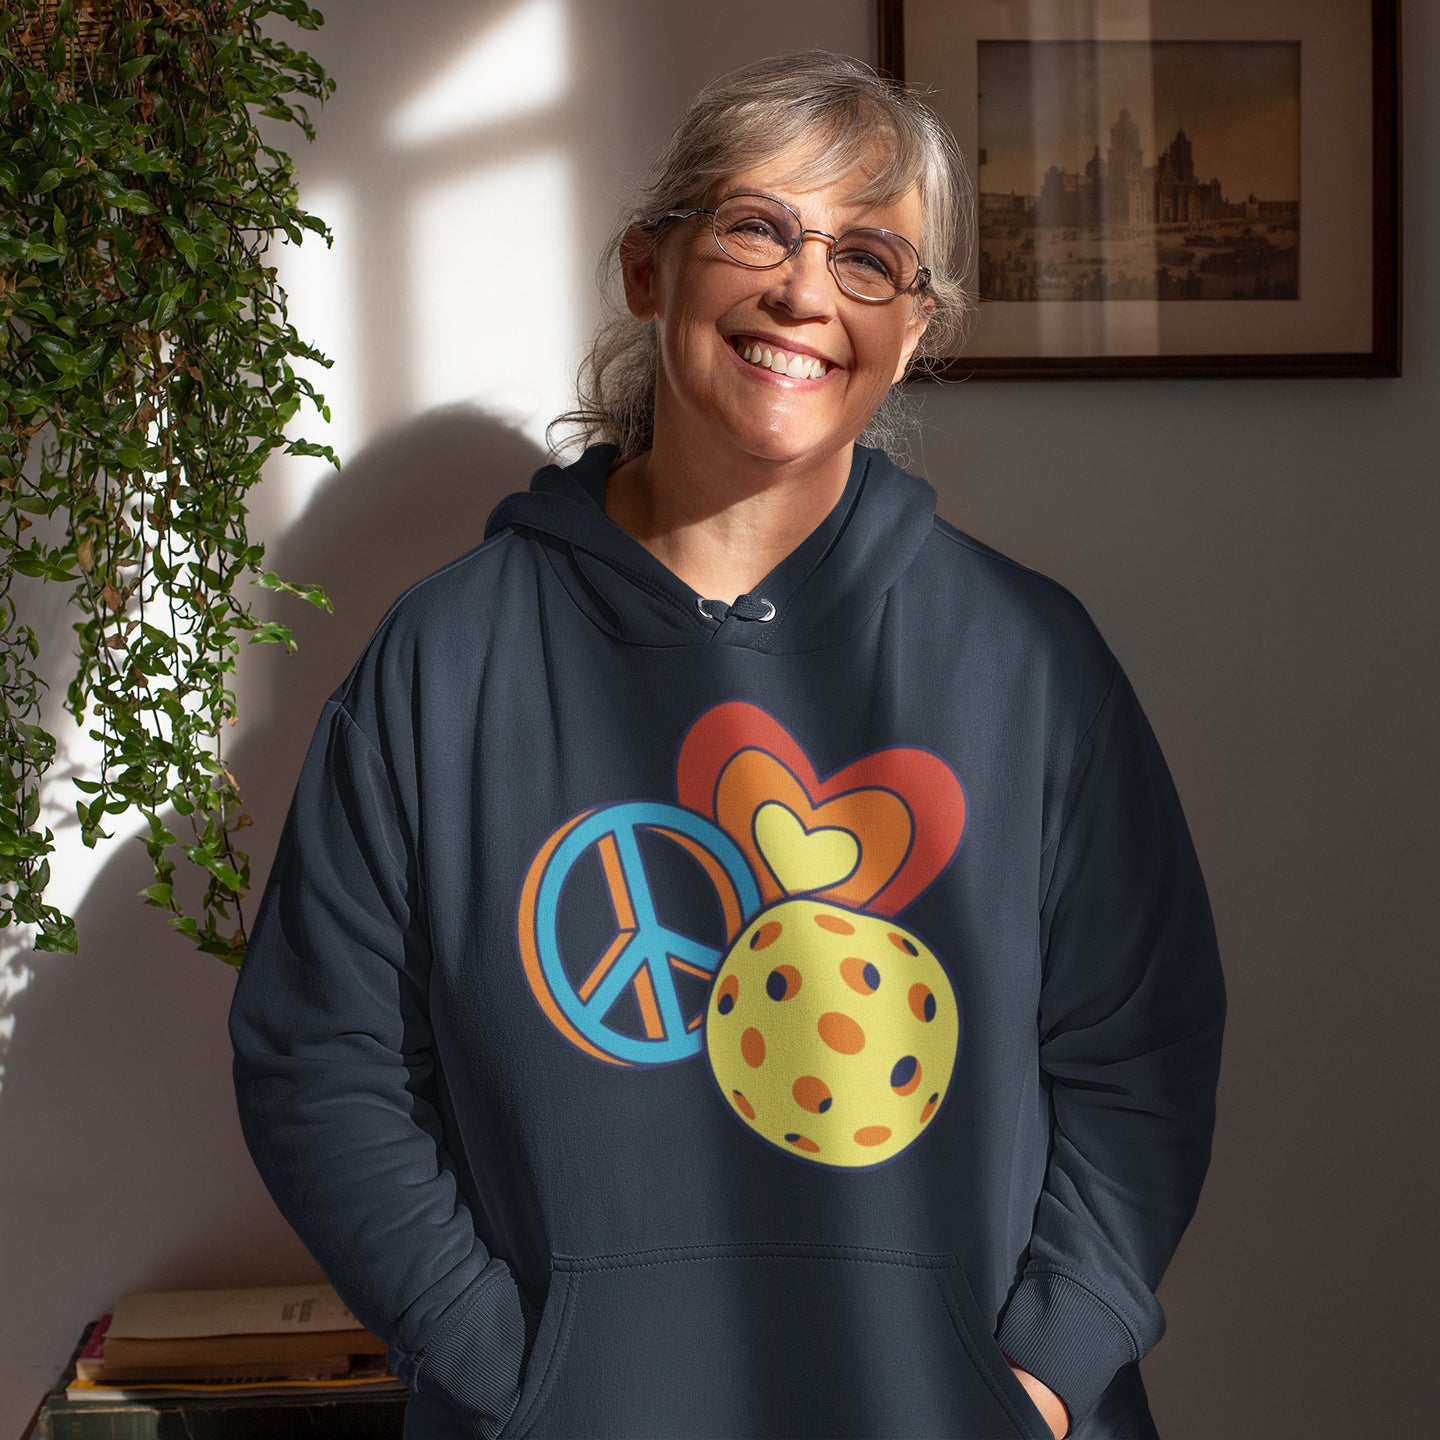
(787, 413)
(811, 120)
(625, 1027)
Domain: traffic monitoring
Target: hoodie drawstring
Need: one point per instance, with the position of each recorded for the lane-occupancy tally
(746, 607)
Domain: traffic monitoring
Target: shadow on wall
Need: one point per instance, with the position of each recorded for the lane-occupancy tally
(133, 1171)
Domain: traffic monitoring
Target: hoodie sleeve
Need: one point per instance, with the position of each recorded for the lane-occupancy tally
(333, 1077)
(1132, 1009)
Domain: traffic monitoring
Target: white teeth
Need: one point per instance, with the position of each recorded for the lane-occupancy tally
(798, 367)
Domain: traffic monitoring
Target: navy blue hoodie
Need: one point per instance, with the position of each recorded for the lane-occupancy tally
(666, 1018)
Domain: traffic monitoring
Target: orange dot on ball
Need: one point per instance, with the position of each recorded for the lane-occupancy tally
(752, 1048)
(767, 934)
(860, 975)
(727, 993)
(922, 1002)
(783, 983)
(840, 1032)
(813, 1094)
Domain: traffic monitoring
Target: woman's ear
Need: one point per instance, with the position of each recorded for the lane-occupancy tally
(637, 269)
(915, 325)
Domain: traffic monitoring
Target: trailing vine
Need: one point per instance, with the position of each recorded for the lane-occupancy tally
(146, 376)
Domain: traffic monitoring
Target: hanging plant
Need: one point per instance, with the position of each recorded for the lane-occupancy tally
(146, 376)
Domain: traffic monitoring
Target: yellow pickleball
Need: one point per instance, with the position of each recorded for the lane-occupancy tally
(832, 1032)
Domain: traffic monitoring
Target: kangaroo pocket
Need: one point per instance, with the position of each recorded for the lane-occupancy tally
(767, 1340)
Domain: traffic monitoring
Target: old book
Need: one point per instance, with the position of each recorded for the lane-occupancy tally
(253, 1333)
(364, 1374)
(359, 1409)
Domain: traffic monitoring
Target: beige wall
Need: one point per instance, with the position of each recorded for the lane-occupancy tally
(1258, 554)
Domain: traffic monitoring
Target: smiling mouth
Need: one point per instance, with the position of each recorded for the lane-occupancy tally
(781, 362)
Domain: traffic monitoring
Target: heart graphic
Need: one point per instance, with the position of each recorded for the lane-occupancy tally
(902, 810)
(802, 859)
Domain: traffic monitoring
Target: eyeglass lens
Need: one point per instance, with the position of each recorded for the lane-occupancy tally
(760, 232)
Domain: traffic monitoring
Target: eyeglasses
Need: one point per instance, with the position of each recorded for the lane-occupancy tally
(760, 233)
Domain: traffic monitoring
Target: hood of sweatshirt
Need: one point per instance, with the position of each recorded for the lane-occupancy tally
(820, 592)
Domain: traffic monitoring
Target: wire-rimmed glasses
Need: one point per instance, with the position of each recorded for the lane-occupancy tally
(760, 232)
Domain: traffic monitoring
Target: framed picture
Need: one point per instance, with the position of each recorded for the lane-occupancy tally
(1170, 187)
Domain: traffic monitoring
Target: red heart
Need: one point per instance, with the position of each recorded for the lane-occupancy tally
(904, 806)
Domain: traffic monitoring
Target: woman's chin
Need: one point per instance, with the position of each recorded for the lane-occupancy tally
(783, 452)
(783, 442)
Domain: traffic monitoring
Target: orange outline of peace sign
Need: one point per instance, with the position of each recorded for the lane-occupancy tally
(643, 950)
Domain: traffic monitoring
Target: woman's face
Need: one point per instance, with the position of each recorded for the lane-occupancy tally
(709, 311)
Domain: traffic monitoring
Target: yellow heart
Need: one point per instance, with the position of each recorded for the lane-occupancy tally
(802, 859)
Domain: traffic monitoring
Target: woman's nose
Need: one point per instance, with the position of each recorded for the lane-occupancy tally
(803, 283)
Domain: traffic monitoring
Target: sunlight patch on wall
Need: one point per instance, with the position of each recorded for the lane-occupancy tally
(321, 286)
(495, 303)
(517, 66)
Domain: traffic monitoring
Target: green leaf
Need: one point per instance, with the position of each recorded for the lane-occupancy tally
(273, 632)
(166, 308)
(61, 939)
(131, 68)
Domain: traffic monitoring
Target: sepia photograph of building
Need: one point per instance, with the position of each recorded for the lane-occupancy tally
(1132, 170)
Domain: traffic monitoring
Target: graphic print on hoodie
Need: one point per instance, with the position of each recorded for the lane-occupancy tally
(674, 1019)
(830, 1029)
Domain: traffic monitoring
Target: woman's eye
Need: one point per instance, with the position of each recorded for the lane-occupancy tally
(865, 261)
(755, 227)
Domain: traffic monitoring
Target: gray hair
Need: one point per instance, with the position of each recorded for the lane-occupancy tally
(838, 112)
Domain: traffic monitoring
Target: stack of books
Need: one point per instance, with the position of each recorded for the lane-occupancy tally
(259, 1341)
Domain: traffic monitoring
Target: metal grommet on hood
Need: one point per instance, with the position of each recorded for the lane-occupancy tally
(746, 607)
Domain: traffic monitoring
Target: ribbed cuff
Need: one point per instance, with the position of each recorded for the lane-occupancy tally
(472, 1359)
(1065, 1336)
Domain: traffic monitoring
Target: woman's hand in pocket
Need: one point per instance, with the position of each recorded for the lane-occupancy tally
(1047, 1402)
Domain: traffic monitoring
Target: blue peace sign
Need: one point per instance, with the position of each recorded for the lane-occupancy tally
(644, 949)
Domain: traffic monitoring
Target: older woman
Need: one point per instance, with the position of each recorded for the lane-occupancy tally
(735, 964)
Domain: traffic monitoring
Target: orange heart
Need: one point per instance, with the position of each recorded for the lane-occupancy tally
(904, 806)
